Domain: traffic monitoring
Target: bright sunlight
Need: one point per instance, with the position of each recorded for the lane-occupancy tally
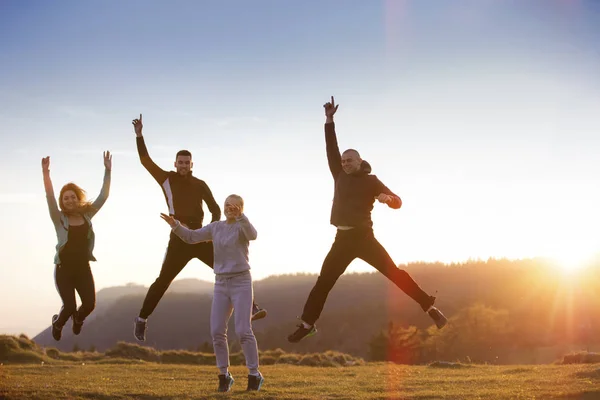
(571, 260)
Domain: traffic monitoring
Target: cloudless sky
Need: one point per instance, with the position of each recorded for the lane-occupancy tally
(483, 115)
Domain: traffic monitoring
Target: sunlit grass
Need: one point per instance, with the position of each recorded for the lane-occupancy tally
(374, 381)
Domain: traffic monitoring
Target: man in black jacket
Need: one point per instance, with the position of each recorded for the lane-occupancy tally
(355, 193)
(184, 195)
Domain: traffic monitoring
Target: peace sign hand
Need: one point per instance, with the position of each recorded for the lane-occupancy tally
(107, 160)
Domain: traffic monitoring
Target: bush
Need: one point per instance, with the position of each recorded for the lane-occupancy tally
(26, 344)
(70, 356)
(206, 359)
(276, 353)
(582, 357)
(133, 351)
(237, 358)
(19, 350)
(185, 357)
(312, 360)
(22, 350)
(119, 361)
(288, 359)
(11, 344)
(53, 352)
(343, 359)
(267, 360)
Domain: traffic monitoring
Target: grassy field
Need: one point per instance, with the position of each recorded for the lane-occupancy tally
(146, 381)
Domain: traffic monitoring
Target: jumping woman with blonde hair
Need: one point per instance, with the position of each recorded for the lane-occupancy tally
(72, 219)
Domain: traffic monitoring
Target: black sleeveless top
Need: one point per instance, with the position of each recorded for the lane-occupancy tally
(76, 249)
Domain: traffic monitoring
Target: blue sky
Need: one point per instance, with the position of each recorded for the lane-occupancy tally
(481, 115)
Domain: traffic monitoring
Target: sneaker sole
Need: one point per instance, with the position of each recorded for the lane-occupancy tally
(313, 333)
(258, 388)
(76, 328)
(260, 384)
(136, 336)
(440, 326)
(259, 315)
(228, 389)
(54, 319)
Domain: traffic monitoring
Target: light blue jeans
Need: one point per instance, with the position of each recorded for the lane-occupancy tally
(233, 293)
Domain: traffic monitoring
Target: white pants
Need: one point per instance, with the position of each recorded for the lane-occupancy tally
(233, 293)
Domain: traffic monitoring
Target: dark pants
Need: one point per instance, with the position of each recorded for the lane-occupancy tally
(178, 255)
(348, 245)
(71, 278)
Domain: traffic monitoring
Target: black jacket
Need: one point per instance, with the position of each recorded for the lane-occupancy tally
(184, 194)
(354, 194)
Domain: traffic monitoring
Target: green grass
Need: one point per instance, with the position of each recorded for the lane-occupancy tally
(126, 379)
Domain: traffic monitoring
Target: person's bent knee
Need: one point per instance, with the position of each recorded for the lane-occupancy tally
(245, 334)
(218, 334)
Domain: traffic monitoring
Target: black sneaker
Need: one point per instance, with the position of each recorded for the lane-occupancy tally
(139, 329)
(437, 317)
(225, 382)
(77, 325)
(255, 382)
(301, 333)
(56, 330)
(257, 312)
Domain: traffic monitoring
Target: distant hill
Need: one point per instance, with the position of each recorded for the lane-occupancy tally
(182, 318)
(359, 307)
(111, 304)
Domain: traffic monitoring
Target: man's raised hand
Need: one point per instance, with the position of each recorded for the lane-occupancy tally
(137, 126)
(330, 109)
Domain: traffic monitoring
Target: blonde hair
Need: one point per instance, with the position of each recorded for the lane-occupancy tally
(84, 204)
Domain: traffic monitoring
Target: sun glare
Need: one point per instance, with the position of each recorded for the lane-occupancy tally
(570, 262)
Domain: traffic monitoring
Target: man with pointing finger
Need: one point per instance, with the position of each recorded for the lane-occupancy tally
(355, 193)
(184, 194)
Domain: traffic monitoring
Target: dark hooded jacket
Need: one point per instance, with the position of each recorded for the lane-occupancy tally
(355, 193)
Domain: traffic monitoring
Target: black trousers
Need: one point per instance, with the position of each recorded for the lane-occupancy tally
(70, 278)
(348, 245)
(178, 255)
